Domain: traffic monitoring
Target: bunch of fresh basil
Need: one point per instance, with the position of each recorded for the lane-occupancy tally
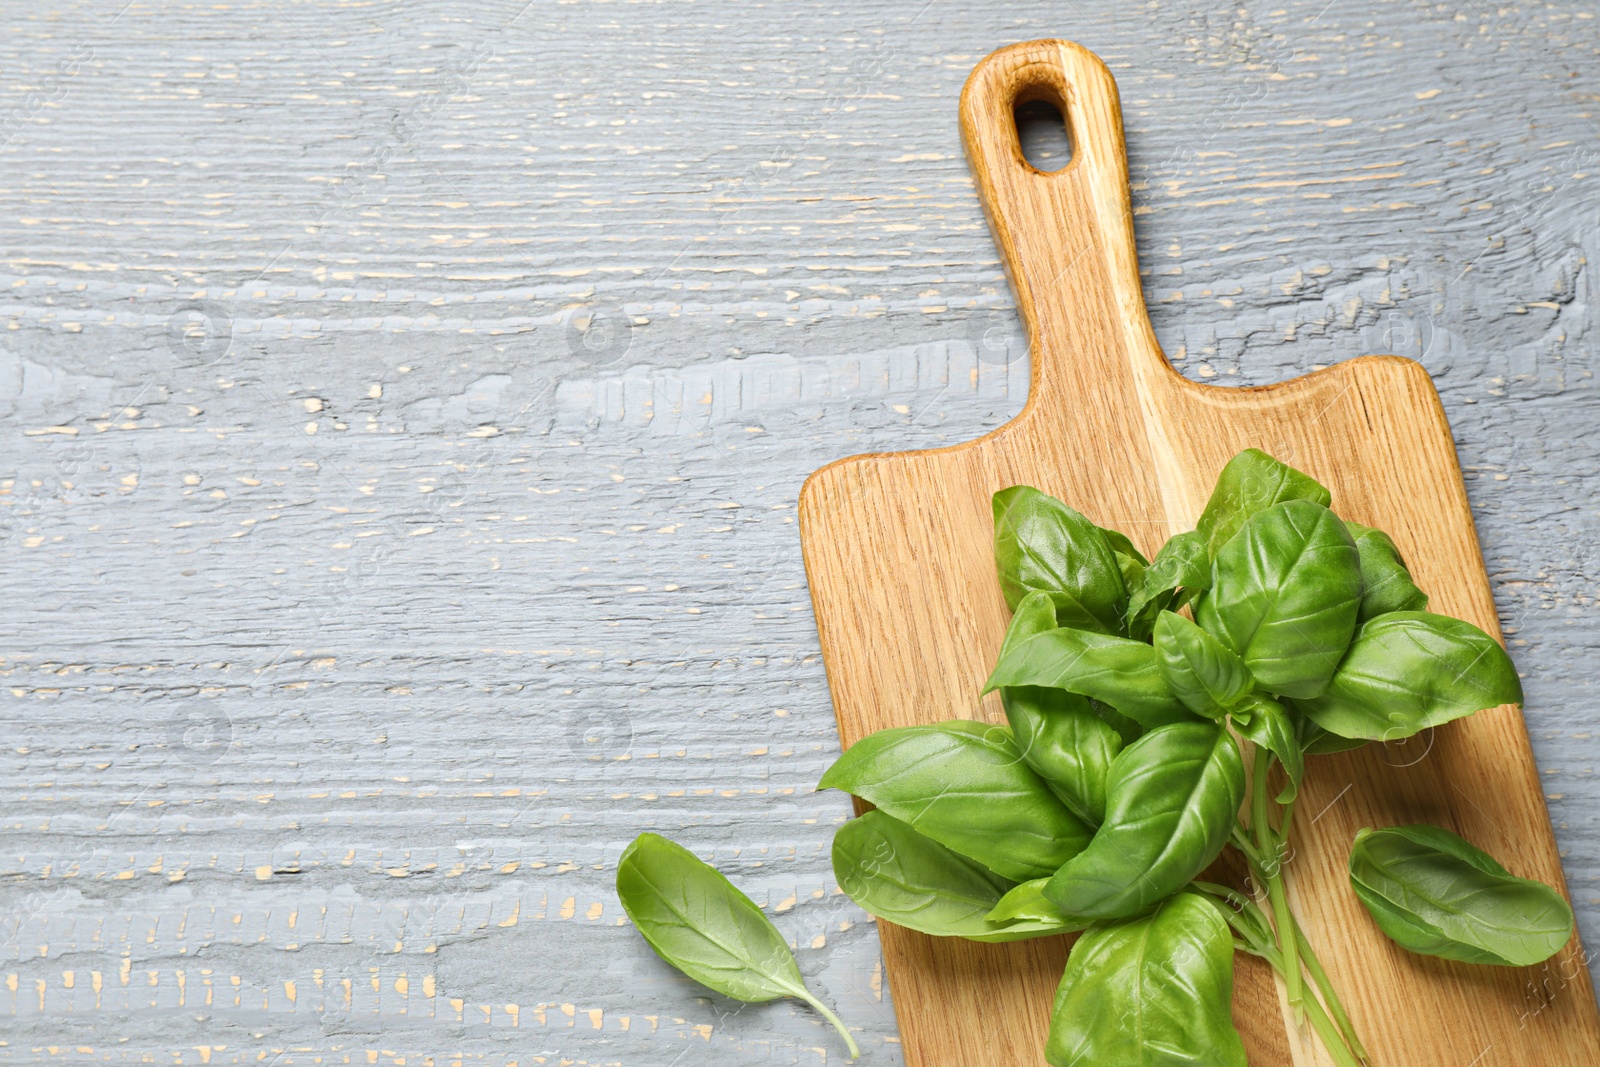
(1120, 775)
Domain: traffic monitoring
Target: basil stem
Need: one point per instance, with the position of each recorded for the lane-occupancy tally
(1272, 850)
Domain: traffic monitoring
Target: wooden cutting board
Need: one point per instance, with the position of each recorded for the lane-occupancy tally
(898, 553)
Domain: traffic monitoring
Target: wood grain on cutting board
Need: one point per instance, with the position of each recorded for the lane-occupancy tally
(898, 553)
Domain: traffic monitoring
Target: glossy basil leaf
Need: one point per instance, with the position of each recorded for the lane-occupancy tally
(1027, 902)
(1121, 545)
(1183, 563)
(1251, 483)
(1386, 584)
(965, 785)
(1284, 595)
(1315, 741)
(1409, 670)
(1172, 798)
(698, 922)
(1035, 615)
(1125, 727)
(1130, 561)
(1434, 893)
(1204, 673)
(1041, 545)
(1153, 991)
(1069, 746)
(1115, 670)
(1267, 723)
(904, 877)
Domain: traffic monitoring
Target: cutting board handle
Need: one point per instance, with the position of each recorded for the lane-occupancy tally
(1066, 236)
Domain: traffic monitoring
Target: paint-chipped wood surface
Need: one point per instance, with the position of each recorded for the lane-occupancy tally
(348, 642)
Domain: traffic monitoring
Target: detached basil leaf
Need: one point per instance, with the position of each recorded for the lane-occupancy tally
(1156, 991)
(1182, 563)
(697, 921)
(1069, 746)
(1409, 670)
(1171, 801)
(1041, 545)
(1252, 482)
(1436, 894)
(1203, 672)
(1386, 584)
(1266, 722)
(906, 878)
(1284, 595)
(1115, 670)
(965, 785)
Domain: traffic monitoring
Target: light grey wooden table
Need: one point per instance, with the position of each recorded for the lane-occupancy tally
(404, 406)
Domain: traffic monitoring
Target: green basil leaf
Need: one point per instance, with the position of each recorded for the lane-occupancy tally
(1130, 561)
(1155, 991)
(1027, 903)
(1114, 670)
(1041, 545)
(1409, 670)
(904, 877)
(1315, 741)
(1204, 673)
(1172, 799)
(1125, 727)
(698, 922)
(1069, 746)
(1119, 543)
(1386, 585)
(1327, 744)
(965, 785)
(1265, 722)
(1033, 615)
(1284, 595)
(1434, 893)
(907, 878)
(1182, 563)
(1251, 483)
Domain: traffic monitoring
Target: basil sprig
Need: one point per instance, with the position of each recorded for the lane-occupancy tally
(1150, 705)
(1129, 686)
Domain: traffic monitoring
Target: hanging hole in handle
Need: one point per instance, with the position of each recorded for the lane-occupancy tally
(1042, 132)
